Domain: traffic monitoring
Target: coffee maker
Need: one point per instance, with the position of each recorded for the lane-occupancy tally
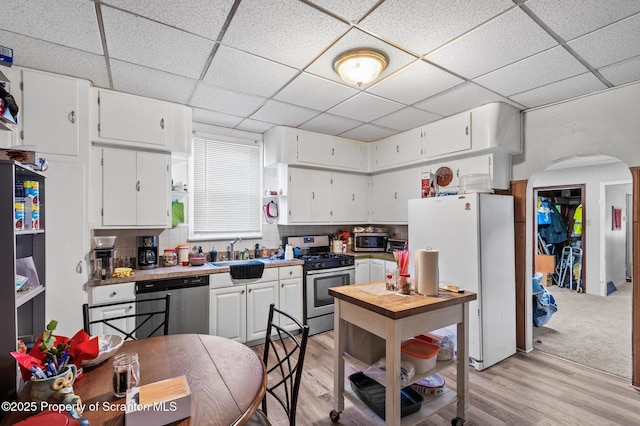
(147, 252)
(104, 262)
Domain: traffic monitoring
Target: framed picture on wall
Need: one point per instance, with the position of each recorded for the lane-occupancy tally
(616, 218)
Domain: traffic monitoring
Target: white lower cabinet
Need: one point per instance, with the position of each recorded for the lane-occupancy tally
(111, 294)
(290, 297)
(362, 271)
(228, 312)
(260, 296)
(239, 309)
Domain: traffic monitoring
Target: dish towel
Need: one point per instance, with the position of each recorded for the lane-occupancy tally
(246, 271)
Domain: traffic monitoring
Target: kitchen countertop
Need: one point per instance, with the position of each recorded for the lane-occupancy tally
(182, 271)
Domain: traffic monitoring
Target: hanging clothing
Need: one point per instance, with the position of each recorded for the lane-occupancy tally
(577, 221)
(556, 231)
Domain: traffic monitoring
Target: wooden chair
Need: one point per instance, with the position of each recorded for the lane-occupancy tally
(142, 319)
(288, 348)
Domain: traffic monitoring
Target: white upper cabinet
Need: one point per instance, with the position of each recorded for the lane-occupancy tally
(53, 112)
(403, 148)
(181, 127)
(497, 164)
(390, 193)
(497, 125)
(350, 198)
(300, 147)
(310, 194)
(447, 136)
(133, 190)
(132, 120)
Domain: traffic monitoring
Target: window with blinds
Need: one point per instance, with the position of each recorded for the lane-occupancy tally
(227, 189)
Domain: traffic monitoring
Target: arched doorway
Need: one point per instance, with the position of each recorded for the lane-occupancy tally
(585, 319)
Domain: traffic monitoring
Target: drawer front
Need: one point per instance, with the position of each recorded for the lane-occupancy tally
(224, 279)
(287, 272)
(113, 293)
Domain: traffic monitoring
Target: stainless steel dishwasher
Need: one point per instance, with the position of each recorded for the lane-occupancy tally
(189, 309)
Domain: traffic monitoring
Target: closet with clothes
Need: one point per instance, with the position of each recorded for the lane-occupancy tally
(559, 218)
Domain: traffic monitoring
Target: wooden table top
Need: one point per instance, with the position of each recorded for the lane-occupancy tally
(227, 379)
(374, 297)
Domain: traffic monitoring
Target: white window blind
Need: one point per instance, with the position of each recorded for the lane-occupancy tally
(226, 188)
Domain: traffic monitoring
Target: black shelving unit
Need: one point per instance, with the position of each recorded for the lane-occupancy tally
(22, 313)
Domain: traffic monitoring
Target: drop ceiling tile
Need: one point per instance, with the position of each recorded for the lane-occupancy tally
(611, 44)
(323, 66)
(314, 92)
(573, 18)
(560, 90)
(365, 107)
(151, 83)
(254, 126)
(502, 41)
(225, 101)
(406, 119)
(330, 124)
(415, 82)
(424, 25)
(368, 133)
(291, 33)
(216, 118)
(461, 98)
(39, 55)
(284, 114)
(144, 42)
(535, 71)
(233, 69)
(204, 18)
(622, 72)
(351, 10)
(71, 23)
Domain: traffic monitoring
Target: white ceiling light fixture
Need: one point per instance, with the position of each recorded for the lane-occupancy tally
(360, 66)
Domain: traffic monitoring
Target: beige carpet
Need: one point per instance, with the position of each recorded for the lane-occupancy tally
(591, 330)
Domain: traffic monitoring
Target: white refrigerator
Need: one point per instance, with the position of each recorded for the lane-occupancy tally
(474, 234)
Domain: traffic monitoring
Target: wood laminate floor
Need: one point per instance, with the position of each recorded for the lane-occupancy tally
(525, 389)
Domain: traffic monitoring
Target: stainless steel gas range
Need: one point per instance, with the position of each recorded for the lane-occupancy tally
(323, 269)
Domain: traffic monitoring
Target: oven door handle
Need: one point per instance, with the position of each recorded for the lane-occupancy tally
(331, 271)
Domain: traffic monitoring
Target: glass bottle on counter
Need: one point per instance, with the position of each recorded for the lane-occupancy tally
(169, 258)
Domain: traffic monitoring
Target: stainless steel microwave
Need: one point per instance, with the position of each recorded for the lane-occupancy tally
(370, 241)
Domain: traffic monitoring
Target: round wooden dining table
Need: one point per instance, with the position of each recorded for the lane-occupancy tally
(226, 378)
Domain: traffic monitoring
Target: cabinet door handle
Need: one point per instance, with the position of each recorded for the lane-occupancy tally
(395, 195)
(398, 149)
(138, 186)
(282, 285)
(290, 272)
(162, 123)
(242, 292)
(249, 291)
(313, 195)
(333, 151)
(72, 117)
(79, 267)
(353, 197)
(113, 294)
(466, 130)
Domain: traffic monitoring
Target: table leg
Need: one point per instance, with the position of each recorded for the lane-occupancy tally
(392, 380)
(339, 334)
(462, 376)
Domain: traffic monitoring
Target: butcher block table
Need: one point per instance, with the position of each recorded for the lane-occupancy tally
(396, 317)
(227, 379)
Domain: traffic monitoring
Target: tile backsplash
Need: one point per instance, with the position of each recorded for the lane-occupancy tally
(272, 235)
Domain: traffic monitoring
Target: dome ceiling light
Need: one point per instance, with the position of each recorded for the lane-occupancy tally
(360, 66)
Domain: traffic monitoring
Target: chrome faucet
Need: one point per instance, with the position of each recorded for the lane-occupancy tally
(232, 255)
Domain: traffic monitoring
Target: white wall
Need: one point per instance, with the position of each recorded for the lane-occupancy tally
(615, 240)
(591, 177)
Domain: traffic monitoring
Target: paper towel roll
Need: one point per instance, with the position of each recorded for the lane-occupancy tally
(426, 272)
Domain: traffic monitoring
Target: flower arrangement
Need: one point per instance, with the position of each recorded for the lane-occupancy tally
(51, 354)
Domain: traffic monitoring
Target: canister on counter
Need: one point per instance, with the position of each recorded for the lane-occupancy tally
(183, 254)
